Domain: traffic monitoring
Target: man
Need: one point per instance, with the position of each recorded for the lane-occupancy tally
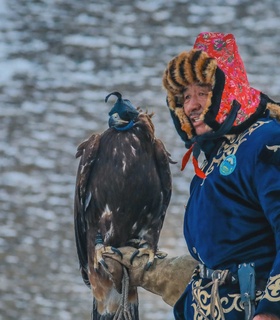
(195, 98)
(232, 219)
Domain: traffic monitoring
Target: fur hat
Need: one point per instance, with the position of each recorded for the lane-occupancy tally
(215, 61)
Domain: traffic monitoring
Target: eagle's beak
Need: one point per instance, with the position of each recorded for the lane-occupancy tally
(116, 121)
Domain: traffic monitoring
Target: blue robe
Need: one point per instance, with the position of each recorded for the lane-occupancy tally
(233, 217)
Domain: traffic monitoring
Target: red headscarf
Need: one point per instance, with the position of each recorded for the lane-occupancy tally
(223, 48)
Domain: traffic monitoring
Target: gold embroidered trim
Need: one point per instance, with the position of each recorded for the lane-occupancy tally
(273, 148)
(272, 292)
(231, 147)
(229, 303)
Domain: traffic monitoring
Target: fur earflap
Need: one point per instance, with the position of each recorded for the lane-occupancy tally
(274, 109)
(187, 68)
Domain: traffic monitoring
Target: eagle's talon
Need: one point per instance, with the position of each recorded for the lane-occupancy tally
(143, 244)
(99, 251)
(104, 264)
(117, 251)
(148, 265)
(161, 254)
(145, 249)
(135, 253)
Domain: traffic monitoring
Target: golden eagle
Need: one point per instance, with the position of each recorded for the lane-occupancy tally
(123, 189)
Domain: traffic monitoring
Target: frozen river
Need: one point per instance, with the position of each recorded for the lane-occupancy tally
(58, 61)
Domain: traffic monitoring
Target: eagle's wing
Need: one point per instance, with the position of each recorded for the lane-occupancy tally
(87, 150)
(162, 162)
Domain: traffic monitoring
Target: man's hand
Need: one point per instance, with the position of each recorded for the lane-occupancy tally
(266, 317)
(167, 277)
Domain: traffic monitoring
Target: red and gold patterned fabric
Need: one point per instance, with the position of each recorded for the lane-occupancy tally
(224, 49)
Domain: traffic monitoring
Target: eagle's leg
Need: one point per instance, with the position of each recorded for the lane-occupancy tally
(135, 243)
(100, 249)
(145, 248)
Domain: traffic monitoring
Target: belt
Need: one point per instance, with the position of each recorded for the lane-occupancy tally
(232, 278)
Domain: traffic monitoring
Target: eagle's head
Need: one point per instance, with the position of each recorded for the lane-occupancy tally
(123, 114)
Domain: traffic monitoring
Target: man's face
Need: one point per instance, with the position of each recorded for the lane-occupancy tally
(195, 98)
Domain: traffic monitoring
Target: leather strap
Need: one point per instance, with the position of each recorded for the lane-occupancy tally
(232, 278)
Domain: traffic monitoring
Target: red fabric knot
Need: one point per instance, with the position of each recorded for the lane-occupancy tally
(185, 160)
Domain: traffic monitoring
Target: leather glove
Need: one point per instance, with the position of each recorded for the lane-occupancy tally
(167, 277)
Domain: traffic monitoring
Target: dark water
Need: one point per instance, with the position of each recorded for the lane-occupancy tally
(58, 60)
